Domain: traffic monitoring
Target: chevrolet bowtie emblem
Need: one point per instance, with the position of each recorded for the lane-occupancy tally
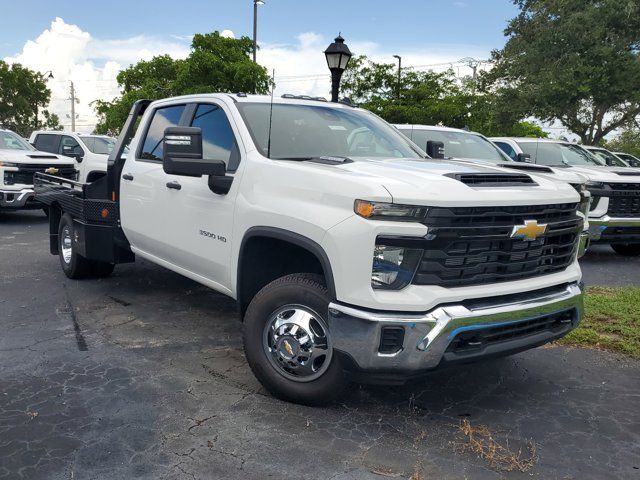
(287, 347)
(529, 231)
(51, 170)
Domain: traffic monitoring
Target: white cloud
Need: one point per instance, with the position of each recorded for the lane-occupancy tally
(92, 64)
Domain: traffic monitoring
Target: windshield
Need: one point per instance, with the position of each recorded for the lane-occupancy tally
(311, 131)
(101, 145)
(458, 144)
(607, 157)
(11, 141)
(558, 154)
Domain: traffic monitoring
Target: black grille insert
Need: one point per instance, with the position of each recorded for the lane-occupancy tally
(24, 175)
(391, 339)
(472, 341)
(470, 246)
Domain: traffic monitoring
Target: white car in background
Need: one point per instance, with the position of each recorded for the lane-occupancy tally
(614, 217)
(473, 147)
(91, 152)
(606, 156)
(19, 161)
(627, 157)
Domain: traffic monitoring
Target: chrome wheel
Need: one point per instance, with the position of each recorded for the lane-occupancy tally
(65, 244)
(297, 343)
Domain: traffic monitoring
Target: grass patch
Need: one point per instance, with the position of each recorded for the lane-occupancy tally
(480, 440)
(611, 322)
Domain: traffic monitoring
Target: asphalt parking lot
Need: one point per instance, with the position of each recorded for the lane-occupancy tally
(142, 375)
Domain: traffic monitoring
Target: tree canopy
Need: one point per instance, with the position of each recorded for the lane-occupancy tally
(628, 142)
(574, 61)
(430, 98)
(22, 93)
(215, 64)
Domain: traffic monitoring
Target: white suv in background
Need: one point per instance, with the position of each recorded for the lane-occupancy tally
(614, 217)
(627, 157)
(90, 151)
(606, 156)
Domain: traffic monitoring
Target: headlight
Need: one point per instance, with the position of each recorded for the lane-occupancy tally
(389, 211)
(394, 267)
(7, 164)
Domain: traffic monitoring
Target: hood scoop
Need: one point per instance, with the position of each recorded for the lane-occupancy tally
(494, 179)
(524, 166)
(42, 156)
(628, 174)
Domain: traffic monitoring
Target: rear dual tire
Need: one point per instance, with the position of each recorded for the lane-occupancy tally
(74, 265)
(287, 342)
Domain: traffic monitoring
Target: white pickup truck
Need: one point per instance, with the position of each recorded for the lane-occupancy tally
(614, 217)
(350, 254)
(18, 163)
(90, 152)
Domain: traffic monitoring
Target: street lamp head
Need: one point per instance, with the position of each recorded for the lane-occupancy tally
(398, 57)
(258, 2)
(338, 55)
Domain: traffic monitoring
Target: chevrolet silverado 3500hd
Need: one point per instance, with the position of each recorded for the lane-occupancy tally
(614, 215)
(350, 254)
(18, 163)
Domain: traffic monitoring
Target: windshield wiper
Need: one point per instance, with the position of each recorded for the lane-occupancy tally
(328, 159)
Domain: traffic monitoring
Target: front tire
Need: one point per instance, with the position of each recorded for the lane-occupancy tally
(288, 344)
(626, 249)
(74, 265)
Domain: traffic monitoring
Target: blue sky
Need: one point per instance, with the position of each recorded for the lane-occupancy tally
(89, 42)
(395, 24)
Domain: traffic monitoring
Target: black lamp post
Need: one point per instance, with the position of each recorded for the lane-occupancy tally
(399, 73)
(338, 56)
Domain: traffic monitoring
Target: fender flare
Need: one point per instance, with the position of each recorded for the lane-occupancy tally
(296, 239)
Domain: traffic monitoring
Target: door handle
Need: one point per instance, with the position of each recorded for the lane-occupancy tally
(127, 176)
(174, 185)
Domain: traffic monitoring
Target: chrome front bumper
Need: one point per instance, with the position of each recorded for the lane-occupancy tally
(357, 333)
(598, 225)
(16, 198)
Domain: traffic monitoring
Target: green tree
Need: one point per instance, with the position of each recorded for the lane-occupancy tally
(430, 98)
(575, 61)
(22, 93)
(628, 142)
(215, 64)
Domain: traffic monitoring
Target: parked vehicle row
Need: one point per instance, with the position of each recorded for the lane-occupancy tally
(351, 253)
(70, 155)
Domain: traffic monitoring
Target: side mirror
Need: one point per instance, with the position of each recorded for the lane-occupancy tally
(182, 155)
(524, 157)
(435, 149)
(69, 151)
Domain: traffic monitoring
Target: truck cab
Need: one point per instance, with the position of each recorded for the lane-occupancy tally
(89, 151)
(352, 255)
(19, 161)
(614, 215)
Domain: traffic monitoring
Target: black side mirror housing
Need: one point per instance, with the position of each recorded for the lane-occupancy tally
(69, 151)
(524, 157)
(182, 155)
(435, 149)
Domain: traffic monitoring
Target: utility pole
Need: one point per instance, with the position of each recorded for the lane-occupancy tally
(73, 107)
(399, 72)
(255, 27)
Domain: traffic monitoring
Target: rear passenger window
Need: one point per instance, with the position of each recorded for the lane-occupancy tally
(218, 141)
(47, 143)
(162, 118)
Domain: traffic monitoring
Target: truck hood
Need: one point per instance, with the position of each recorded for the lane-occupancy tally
(609, 174)
(34, 157)
(432, 182)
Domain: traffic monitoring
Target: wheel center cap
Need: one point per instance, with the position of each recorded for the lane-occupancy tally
(288, 347)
